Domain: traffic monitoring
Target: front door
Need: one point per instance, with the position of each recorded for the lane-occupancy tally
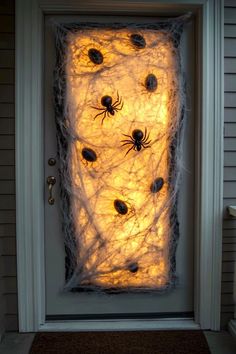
(176, 302)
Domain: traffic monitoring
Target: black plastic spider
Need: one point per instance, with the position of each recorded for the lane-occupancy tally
(111, 108)
(137, 140)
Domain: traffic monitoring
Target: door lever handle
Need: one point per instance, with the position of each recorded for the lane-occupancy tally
(51, 180)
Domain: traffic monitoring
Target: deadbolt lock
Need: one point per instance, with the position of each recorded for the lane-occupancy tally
(51, 180)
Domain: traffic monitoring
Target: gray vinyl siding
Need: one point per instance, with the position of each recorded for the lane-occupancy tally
(8, 286)
(229, 225)
(8, 283)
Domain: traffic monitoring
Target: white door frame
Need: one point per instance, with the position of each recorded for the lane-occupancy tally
(30, 159)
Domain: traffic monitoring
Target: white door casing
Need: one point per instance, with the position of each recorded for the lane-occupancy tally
(30, 159)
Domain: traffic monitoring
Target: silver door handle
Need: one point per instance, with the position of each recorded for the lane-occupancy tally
(51, 180)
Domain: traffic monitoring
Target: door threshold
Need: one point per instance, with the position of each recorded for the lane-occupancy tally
(120, 325)
(121, 316)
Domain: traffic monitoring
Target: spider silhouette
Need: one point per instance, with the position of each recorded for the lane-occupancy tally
(138, 140)
(110, 108)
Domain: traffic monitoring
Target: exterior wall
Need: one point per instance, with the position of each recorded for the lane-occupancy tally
(2, 302)
(8, 297)
(229, 230)
(8, 287)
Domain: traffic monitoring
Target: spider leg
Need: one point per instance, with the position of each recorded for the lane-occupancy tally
(118, 101)
(114, 104)
(147, 142)
(132, 147)
(118, 97)
(147, 137)
(126, 144)
(126, 140)
(104, 112)
(100, 109)
(116, 108)
(129, 137)
(145, 147)
(145, 134)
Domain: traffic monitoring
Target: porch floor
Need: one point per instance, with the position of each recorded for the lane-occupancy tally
(219, 343)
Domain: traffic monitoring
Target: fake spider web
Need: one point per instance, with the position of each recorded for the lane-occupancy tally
(119, 198)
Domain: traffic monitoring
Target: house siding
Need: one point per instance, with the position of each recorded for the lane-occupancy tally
(8, 283)
(229, 225)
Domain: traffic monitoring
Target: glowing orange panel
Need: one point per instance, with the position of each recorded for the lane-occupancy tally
(122, 111)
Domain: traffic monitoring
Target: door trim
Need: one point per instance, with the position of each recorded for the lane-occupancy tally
(30, 161)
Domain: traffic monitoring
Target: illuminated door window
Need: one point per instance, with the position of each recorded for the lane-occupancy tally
(119, 102)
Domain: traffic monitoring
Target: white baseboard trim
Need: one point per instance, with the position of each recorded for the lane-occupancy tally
(119, 325)
(232, 328)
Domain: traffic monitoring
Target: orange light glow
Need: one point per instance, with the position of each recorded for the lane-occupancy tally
(116, 250)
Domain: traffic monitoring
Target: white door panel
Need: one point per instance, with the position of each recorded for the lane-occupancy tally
(178, 300)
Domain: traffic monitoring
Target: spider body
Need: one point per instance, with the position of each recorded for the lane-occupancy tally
(151, 83)
(95, 56)
(133, 267)
(157, 185)
(106, 101)
(110, 108)
(138, 41)
(138, 140)
(120, 206)
(89, 154)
